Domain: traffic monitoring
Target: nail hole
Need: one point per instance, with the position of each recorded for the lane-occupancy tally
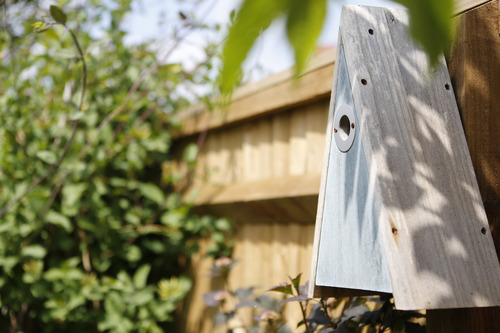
(364, 82)
(483, 230)
(345, 127)
(447, 86)
(335, 130)
(352, 125)
(395, 231)
(370, 31)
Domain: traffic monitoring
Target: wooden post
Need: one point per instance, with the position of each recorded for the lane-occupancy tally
(474, 65)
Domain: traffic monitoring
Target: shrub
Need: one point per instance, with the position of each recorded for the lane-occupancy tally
(343, 315)
(93, 234)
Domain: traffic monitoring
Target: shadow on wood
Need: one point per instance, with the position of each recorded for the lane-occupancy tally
(433, 227)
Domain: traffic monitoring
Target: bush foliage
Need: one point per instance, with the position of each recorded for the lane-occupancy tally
(326, 315)
(93, 235)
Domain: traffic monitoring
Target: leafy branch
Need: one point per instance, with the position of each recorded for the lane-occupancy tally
(430, 25)
(78, 250)
(60, 18)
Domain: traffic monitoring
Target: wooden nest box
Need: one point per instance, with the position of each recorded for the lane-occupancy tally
(399, 206)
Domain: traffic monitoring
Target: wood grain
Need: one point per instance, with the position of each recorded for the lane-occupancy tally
(312, 86)
(265, 189)
(350, 251)
(280, 247)
(298, 143)
(244, 172)
(316, 117)
(433, 225)
(474, 65)
(465, 5)
(280, 143)
(314, 290)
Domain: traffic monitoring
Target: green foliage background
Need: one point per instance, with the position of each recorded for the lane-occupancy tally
(102, 243)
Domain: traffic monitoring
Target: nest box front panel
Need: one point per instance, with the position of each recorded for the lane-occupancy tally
(350, 253)
(399, 206)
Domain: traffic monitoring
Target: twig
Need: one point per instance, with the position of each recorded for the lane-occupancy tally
(85, 253)
(4, 5)
(53, 195)
(304, 315)
(325, 308)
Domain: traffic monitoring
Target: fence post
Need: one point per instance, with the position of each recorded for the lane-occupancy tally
(474, 65)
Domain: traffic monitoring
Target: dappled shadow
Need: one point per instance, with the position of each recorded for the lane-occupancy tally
(475, 69)
(432, 222)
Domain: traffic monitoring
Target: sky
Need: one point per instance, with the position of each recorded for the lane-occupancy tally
(271, 53)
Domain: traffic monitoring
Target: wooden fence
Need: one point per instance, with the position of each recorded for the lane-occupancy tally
(260, 165)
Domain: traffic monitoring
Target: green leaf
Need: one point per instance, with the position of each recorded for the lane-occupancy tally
(114, 304)
(296, 281)
(155, 245)
(430, 24)
(284, 288)
(162, 310)
(132, 218)
(117, 182)
(35, 251)
(143, 296)
(47, 156)
(152, 192)
(141, 276)
(253, 17)
(54, 274)
(69, 53)
(40, 26)
(133, 253)
(190, 154)
(72, 194)
(8, 263)
(304, 23)
(174, 288)
(77, 115)
(57, 14)
(75, 302)
(223, 224)
(87, 225)
(218, 237)
(172, 219)
(59, 220)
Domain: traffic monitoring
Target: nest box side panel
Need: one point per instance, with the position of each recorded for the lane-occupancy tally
(314, 290)
(350, 248)
(434, 230)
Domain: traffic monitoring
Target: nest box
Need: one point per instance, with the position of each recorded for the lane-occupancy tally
(399, 209)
